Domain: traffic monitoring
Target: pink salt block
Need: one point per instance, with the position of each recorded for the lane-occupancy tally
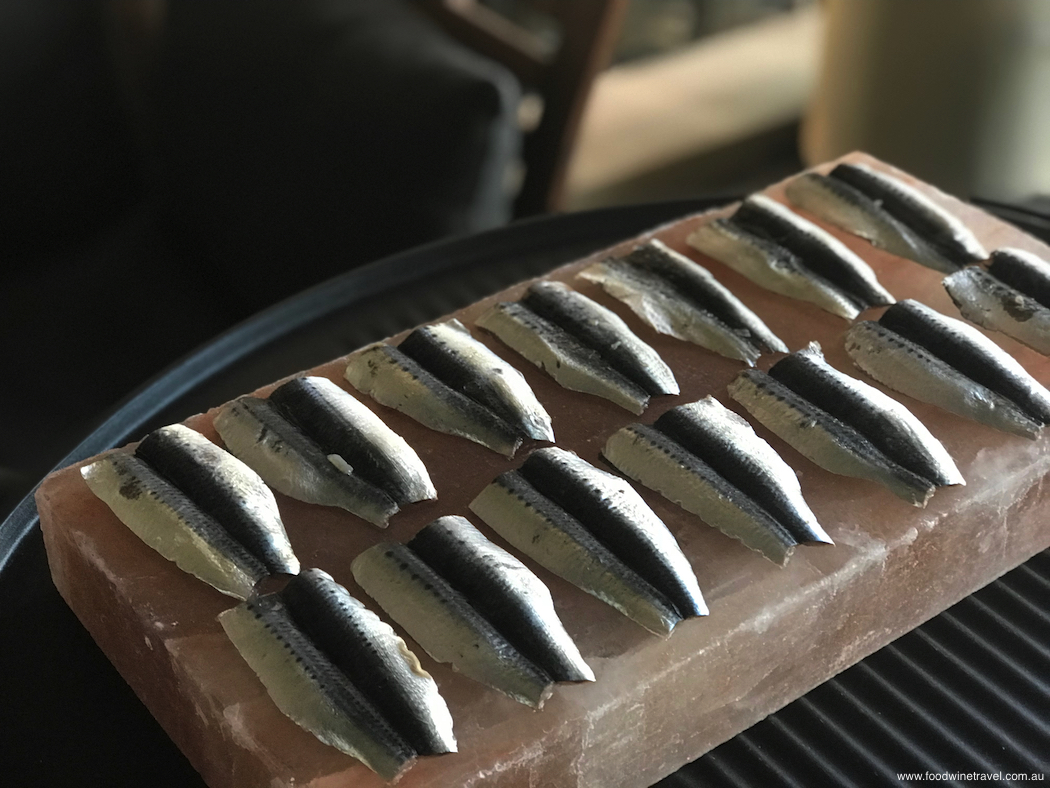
(773, 633)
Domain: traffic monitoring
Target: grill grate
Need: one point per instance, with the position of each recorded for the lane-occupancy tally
(968, 691)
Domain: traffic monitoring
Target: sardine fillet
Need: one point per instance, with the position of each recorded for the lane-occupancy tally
(165, 519)
(570, 554)
(911, 369)
(774, 269)
(570, 364)
(444, 624)
(644, 455)
(394, 380)
(301, 682)
(984, 300)
(290, 463)
(504, 591)
(668, 313)
(831, 444)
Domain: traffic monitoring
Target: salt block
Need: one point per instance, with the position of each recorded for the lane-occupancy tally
(773, 633)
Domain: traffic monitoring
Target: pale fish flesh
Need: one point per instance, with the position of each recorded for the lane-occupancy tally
(933, 358)
(379, 663)
(340, 424)
(986, 298)
(830, 443)
(678, 297)
(771, 266)
(310, 690)
(846, 207)
(462, 362)
(259, 434)
(657, 461)
(566, 359)
(393, 379)
(613, 511)
(444, 623)
(556, 540)
(935, 225)
(503, 590)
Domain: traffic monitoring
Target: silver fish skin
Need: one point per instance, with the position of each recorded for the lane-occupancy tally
(680, 298)
(970, 352)
(164, 518)
(1023, 271)
(292, 464)
(695, 282)
(556, 540)
(658, 305)
(394, 380)
(911, 369)
(340, 424)
(992, 304)
(445, 625)
(224, 487)
(310, 690)
(849, 209)
(890, 426)
(450, 352)
(729, 445)
(937, 226)
(378, 663)
(504, 591)
(821, 252)
(573, 365)
(653, 459)
(770, 266)
(603, 331)
(613, 511)
(823, 439)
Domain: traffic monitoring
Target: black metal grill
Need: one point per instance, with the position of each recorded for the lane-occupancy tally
(967, 692)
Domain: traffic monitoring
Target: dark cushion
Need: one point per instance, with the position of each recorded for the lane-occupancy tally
(297, 139)
(68, 160)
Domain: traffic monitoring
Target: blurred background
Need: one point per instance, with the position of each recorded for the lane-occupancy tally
(168, 169)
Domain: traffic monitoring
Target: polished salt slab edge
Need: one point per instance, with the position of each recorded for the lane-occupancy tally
(772, 633)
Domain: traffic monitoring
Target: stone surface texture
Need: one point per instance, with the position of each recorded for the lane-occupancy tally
(773, 633)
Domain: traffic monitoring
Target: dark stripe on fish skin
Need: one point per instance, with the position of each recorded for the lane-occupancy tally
(560, 308)
(140, 478)
(516, 484)
(372, 497)
(566, 344)
(809, 380)
(698, 467)
(484, 417)
(1017, 305)
(656, 261)
(850, 194)
(336, 687)
(911, 320)
(854, 441)
(780, 257)
(322, 613)
(169, 458)
(448, 596)
(300, 403)
(427, 350)
(899, 204)
(586, 503)
(485, 588)
(905, 243)
(738, 469)
(815, 255)
(1018, 273)
(738, 343)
